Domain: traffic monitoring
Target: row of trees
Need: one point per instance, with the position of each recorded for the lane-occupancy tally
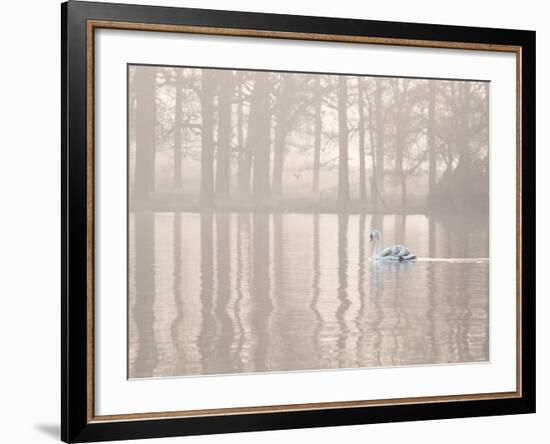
(266, 139)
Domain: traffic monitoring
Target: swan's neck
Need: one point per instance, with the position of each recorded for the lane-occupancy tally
(377, 246)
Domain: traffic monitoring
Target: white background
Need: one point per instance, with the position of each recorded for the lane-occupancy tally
(29, 227)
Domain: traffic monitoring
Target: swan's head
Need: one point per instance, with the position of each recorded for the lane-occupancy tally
(375, 234)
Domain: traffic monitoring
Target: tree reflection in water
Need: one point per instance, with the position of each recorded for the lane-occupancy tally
(221, 293)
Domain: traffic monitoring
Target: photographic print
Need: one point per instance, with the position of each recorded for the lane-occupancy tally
(290, 221)
(277, 222)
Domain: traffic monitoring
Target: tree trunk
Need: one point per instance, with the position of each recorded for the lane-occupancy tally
(399, 156)
(282, 128)
(343, 180)
(461, 180)
(223, 159)
(318, 126)
(259, 136)
(146, 119)
(400, 142)
(404, 197)
(361, 124)
(463, 134)
(374, 177)
(379, 109)
(207, 149)
(454, 145)
(432, 156)
(245, 157)
(177, 130)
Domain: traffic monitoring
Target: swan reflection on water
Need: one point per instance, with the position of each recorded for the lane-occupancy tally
(236, 293)
(394, 266)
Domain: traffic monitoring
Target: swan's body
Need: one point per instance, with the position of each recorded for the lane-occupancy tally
(395, 252)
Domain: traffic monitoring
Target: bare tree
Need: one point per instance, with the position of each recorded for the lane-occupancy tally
(400, 89)
(432, 169)
(343, 179)
(283, 119)
(244, 162)
(318, 127)
(259, 139)
(207, 134)
(380, 135)
(462, 128)
(361, 144)
(177, 128)
(408, 128)
(145, 131)
(226, 87)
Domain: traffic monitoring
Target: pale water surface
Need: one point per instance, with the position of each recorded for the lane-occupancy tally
(234, 293)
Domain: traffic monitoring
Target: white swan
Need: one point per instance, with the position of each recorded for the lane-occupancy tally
(396, 252)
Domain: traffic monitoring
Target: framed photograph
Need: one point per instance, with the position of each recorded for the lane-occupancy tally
(275, 221)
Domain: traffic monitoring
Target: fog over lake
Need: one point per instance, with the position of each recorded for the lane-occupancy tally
(251, 199)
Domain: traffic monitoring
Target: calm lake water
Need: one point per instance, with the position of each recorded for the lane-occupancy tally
(236, 293)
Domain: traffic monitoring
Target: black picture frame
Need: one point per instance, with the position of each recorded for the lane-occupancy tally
(77, 425)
